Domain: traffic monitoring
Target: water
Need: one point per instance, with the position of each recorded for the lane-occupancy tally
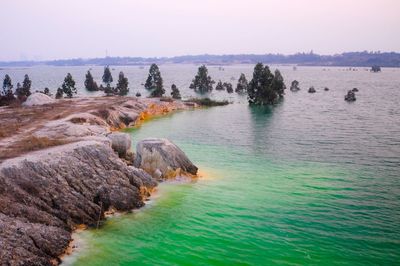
(314, 180)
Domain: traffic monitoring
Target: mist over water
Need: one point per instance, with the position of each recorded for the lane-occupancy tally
(313, 180)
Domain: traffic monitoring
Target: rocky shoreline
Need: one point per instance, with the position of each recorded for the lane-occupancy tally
(65, 170)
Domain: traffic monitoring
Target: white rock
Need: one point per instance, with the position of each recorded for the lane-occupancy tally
(38, 99)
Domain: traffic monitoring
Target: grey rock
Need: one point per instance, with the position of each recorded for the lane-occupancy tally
(312, 90)
(46, 194)
(120, 142)
(350, 96)
(161, 155)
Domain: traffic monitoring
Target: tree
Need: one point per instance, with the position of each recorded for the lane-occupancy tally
(265, 88)
(228, 87)
(59, 93)
(24, 91)
(154, 82)
(68, 86)
(175, 92)
(202, 82)
(7, 95)
(242, 84)
(122, 85)
(90, 84)
(107, 77)
(294, 86)
(220, 86)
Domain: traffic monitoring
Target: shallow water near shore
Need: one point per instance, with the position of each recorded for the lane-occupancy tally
(314, 180)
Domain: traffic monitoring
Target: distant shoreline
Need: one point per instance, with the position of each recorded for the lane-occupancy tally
(350, 59)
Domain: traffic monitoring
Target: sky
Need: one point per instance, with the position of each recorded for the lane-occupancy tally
(62, 29)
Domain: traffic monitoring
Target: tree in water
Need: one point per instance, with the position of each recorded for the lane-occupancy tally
(154, 82)
(294, 86)
(219, 86)
(175, 92)
(122, 85)
(68, 86)
(24, 91)
(107, 77)
(242, 84)
(202, 82)
(228, 87)
(265, 88)
(90, 84)
(7, 95)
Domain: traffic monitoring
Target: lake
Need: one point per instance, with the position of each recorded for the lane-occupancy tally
(313, 180)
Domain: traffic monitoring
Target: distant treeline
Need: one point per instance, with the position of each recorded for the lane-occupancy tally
(351, 59)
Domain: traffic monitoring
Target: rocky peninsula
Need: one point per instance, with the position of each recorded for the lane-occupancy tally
(64, 164)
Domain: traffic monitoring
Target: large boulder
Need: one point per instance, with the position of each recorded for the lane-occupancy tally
(120, 143)
(38, 99)
(162, 159)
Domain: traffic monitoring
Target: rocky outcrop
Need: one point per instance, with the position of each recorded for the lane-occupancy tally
(312, 90)
(46, 194)
(38, 99)
(162, 159)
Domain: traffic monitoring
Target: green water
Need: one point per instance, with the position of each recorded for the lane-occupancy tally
(278, 189)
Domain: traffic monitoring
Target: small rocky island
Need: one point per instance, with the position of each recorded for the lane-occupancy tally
(63, 166)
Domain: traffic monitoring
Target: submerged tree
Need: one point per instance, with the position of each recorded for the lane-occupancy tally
(265, 88)
(25, 90)
(154, 82)
(90, 84)
(122, 85)
(228, 87)
(294, 86)
(68, 86)
(175, 92)
(202, 82)
(242, 84)
(107, 77)
(219, 86)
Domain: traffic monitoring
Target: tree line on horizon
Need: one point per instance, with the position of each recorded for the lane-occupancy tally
(265, 87)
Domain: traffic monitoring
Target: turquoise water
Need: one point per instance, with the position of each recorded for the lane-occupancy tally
(312, 181)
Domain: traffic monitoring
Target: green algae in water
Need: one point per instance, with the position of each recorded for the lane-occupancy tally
(279, 190)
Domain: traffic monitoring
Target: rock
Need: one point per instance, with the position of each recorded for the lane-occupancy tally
(44, 195)
(311, 90)
(38, 99)
(350, 97)
(326, 89)
(354, 90)
(162, 159)
(120, 143)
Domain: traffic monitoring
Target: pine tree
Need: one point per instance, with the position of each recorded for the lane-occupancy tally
(107, 77)
(68, 86)
(220, 86)
(90, 84)
(294, 86)
(7, 86)
(242, 84)
(24, 91)
(59, 93)
(202, 82)
(154, 82)
(122, 85)
(175, 92)
(265, 88)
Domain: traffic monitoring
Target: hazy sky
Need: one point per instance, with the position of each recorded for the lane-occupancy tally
(51, 29)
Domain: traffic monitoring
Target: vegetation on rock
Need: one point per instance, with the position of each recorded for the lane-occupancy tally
(107, 77)
(90, 84)
(122, 85)
(219, 86)
(294, 86)
(68, 86)
(7, 95)
(228, 87)
(154, 82)
(175, 92)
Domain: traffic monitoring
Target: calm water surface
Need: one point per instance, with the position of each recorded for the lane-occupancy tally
(312, 181)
